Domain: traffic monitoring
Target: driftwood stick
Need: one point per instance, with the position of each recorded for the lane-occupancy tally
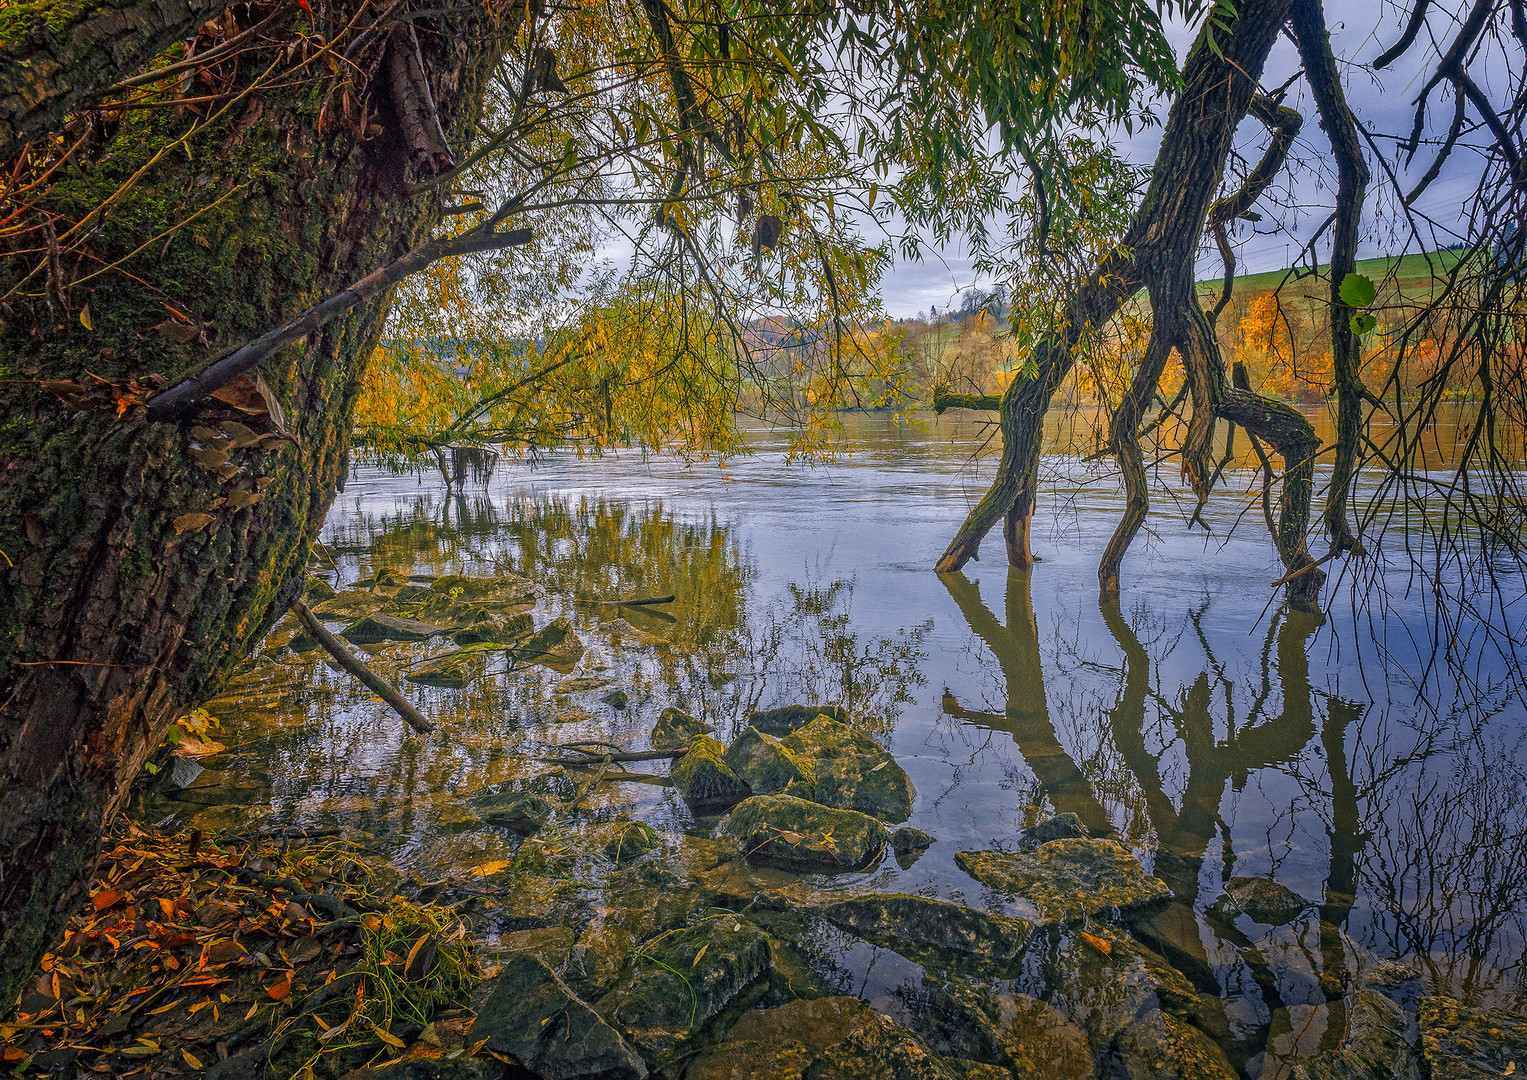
(372, 680)
(645, 601)
(588, 760)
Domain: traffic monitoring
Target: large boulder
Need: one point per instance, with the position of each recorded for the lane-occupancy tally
(675, 727)
(681, 979)
(935, 933)
(703, 778)
(782, 721)
(533, 1017)
(1460, 1043)
(850, 771)
(801, 835)
(769, 767)
(374, 629)
(1065, 881)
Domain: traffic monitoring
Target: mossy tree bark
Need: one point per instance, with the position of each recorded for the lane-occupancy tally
(141, 559)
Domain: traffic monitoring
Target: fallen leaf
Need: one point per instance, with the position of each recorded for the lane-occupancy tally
(179, 332)
(388, 1038)
(191, 746)
(420, 958)
(192, 1060)
(279, 990)
(305, 949)
(105, 898)
(495, 867)
(85, 317)
(1102, 945)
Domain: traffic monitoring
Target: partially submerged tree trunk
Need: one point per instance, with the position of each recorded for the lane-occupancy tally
(142, 559)
(1158, 252)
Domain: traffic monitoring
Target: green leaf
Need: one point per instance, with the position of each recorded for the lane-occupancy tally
(1363, 323)
(1357, 290)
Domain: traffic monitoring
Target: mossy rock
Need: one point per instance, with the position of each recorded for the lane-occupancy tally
(826, 1038)
(972, 1022)
(496, 630)
(799, 835)
(375, 629)
(348, 606)
(702, 777)
(1263, 899)
(621, 841)
(935, 933)
(675, 727)
(315, 590)
(908, 841)
(455, 668)
(1159, 1046)
(768, 767)
(680, 979)
(506, 590)
(1460, 1043)
(785, 719)
(1067, 880)
(1059, 827)
(533, 1017)
(1375, 1045)
(850, 771)
(520, 812)
(555, 646)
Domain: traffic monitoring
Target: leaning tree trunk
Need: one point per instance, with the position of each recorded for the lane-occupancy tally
(1158, 250)
(142, 559)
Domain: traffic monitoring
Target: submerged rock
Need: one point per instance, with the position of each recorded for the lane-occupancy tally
(533, 1017)
(829, 1038)
(782, 721)
(1263, 899)
(555, 646)
(518, 811)
(455, 668)
(935, 933)
(378, 628)
(551, 945)
(905, 841)
(616, 699)
(1159, 1046)
(348, 606)
(675, 727)
(505, 590)
(621, 841)
(797, 834)
(1375, 1045)
(703, 778)
(1025, 1034)
(1459, 1043)
(1067, 880)
(315, 590)
(496, 629)
(1059, 827)
(768, 767)
(850, 771)
(681, 979)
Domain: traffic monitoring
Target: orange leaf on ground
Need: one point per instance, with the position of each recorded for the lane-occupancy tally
(281, 989)
(105, 898)
(1102, 945)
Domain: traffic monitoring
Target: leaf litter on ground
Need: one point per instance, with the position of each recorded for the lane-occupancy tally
(190, 949)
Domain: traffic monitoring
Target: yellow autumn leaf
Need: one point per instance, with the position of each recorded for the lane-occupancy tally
(496, 866)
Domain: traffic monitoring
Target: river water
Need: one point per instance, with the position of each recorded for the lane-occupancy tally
(1214, 733)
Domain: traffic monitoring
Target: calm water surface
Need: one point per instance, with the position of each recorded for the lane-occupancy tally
(1213, 732)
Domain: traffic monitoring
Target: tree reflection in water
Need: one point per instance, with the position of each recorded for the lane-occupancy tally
(1424, 831)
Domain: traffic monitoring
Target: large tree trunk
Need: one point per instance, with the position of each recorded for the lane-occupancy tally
(139, 566)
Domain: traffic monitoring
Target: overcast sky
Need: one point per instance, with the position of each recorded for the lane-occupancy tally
(1361, 29)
